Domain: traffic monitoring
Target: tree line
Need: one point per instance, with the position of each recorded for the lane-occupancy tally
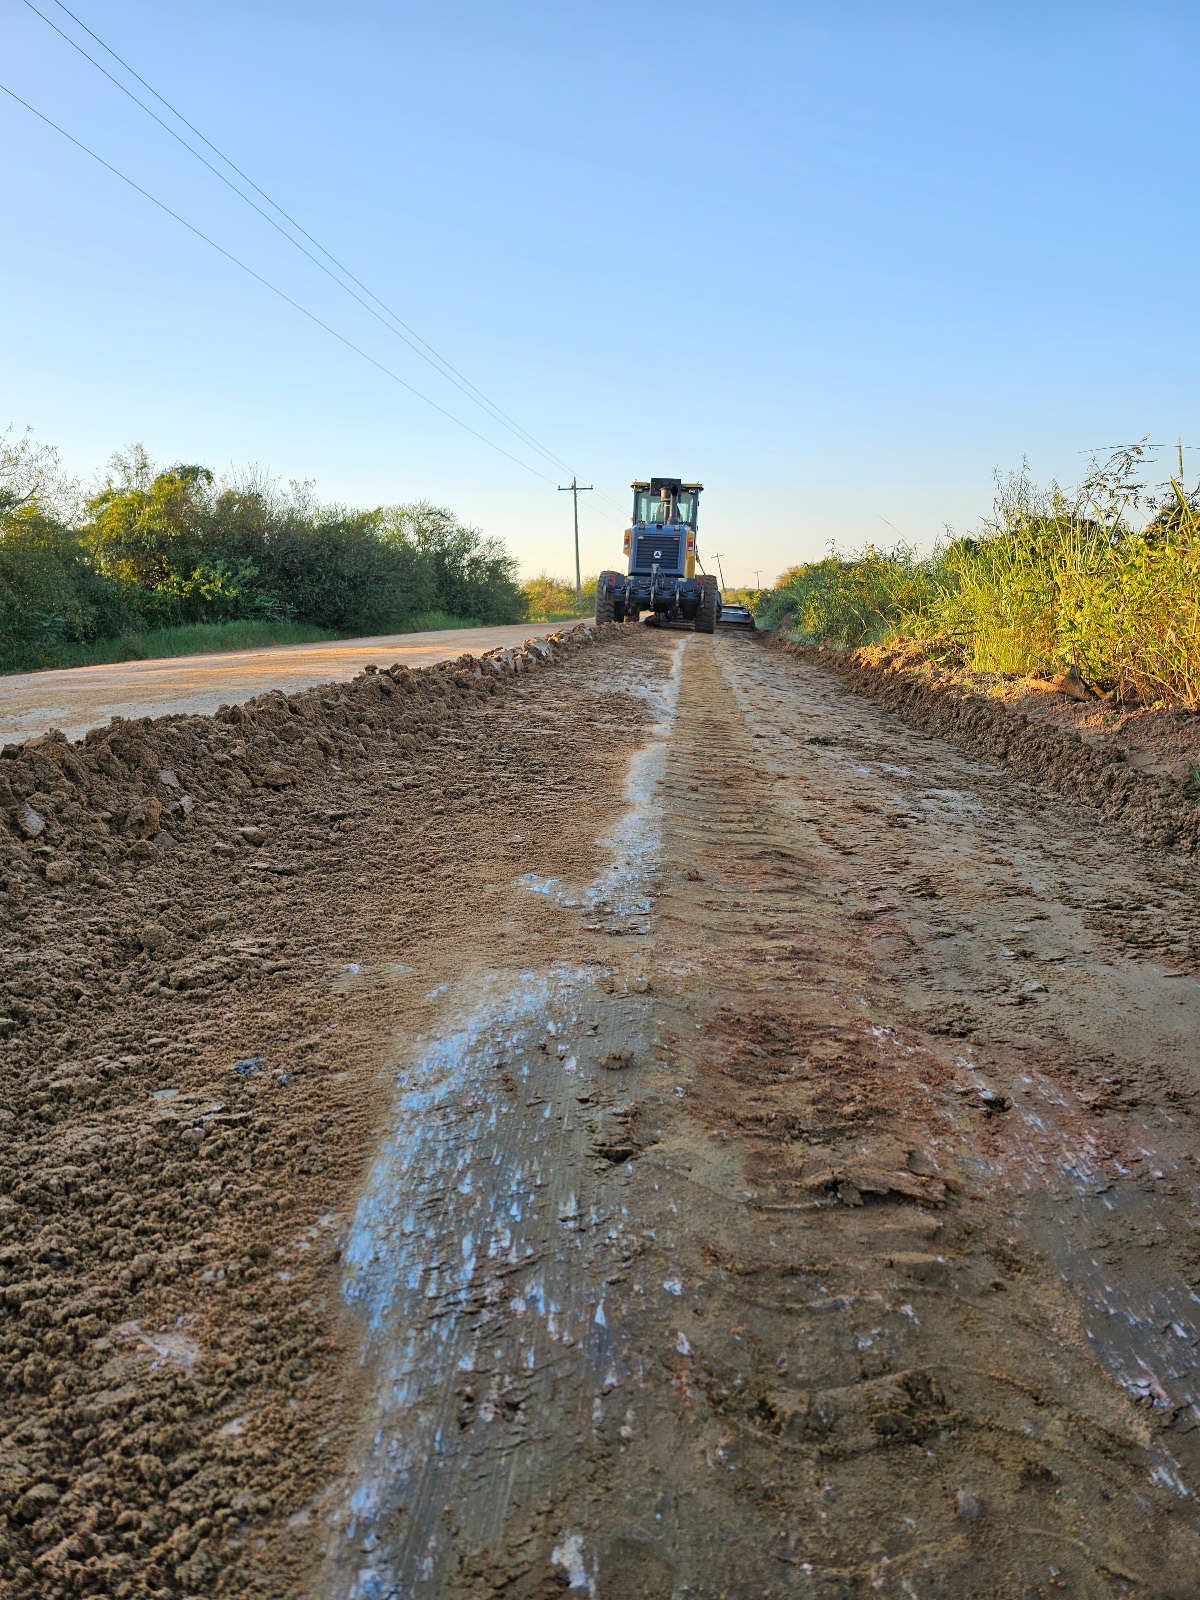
(148, 547)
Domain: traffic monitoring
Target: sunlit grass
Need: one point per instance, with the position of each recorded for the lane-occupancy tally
(1050, 582)
(201, 638)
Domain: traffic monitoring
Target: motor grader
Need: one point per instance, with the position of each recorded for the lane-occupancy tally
(663, 556)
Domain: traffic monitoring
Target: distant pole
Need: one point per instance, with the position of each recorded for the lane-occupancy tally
(1181, 461)
(575, 490)
(717, 559)
(757, 572)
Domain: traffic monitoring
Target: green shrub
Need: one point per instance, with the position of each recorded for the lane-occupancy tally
(849, 600)
(550, 599)
(152, 551)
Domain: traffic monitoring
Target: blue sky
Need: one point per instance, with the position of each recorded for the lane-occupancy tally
(839, 263)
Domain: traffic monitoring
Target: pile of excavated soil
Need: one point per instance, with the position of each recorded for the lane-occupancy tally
(189, 1081)
(1134, 766)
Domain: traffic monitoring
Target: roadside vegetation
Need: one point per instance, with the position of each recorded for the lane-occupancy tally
(152, 560)
(554, 599)
(1104, 579)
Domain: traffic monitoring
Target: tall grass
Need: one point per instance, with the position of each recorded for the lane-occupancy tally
(850, 599)
(201, 638)
(1056, 582)
(1105, 580)
(551, 599)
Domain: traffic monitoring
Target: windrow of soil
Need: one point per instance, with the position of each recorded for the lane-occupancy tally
(192, 1072)
(134, 788)
(1051, 745)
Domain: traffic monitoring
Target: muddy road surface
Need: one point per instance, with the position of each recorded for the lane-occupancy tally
(658, 1126)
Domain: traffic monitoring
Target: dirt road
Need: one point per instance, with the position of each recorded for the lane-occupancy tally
(75, 699)
(653, 1127)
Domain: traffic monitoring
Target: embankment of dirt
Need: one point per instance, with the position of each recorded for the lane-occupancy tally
(1161, 809)
(132, 790)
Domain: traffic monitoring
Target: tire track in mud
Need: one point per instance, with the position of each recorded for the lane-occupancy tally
(825, 1308)
(469, 1251)
(1034, 1263)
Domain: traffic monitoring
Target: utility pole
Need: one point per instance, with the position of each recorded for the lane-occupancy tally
(575, 490)
(717, 559)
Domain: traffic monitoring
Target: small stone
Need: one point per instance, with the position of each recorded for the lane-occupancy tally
(224, 848)
(969, 1505)
(152, 937)
(252, 834)
(214, 920)
(168, 778)
(60, 871)
(143, 819)
(31, 823)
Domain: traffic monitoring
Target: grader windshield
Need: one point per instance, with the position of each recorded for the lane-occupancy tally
(664, 506)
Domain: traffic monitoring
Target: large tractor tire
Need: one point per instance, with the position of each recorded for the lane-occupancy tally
(605, 610)
(706, 611)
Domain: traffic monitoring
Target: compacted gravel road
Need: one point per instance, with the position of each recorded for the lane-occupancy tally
(643, 1122)
(75, 699)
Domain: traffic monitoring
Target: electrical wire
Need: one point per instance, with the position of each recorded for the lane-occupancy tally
(267, 284)
(433, 358)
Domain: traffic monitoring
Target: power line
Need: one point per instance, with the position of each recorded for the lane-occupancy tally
(432, 359)
(267, 284)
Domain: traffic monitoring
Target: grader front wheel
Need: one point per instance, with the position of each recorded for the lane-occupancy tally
(706, 611)
(605, 609)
